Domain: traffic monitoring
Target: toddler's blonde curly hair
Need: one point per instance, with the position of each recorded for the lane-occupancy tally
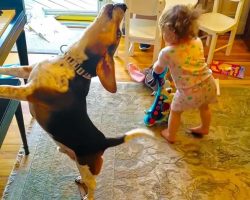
(182, 20)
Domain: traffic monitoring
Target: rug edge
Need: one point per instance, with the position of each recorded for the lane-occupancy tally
(17, 164)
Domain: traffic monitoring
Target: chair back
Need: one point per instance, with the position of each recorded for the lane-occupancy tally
(143, 28)
(146, 8)
(238, 11)
(215, 24)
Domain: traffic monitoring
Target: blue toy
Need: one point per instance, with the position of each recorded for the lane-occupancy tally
(159, 110)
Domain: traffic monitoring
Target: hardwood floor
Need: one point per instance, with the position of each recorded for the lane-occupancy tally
(8, 152)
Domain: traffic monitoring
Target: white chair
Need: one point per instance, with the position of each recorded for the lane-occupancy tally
(145, 31)
(215, 24)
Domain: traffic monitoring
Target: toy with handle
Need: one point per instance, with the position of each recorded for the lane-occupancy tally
(159, 110)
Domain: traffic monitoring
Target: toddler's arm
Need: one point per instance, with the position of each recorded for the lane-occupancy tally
(159, 69)
(161, 63)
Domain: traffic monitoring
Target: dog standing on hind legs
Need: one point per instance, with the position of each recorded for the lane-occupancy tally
(57, 88)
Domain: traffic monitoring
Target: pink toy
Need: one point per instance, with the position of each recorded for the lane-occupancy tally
(135, 73)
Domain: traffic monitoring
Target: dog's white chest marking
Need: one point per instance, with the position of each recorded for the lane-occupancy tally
(52, 75)
(49, 74)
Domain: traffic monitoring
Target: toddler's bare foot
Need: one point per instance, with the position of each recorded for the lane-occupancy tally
(198, 130)
(170, 138)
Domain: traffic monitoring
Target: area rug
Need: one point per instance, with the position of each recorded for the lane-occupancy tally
(214, 167)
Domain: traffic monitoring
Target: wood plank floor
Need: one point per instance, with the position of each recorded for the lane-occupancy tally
(8, 152)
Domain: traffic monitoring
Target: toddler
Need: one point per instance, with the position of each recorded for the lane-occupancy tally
(184, 56)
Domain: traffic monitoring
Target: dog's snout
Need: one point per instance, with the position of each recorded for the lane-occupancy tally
(122, 6)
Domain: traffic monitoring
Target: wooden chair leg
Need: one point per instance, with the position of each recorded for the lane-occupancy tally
(208, 40)
(126, 57)
(157, 48)
(131, 49)
(20, 122)
(212, 49)
(230, 42)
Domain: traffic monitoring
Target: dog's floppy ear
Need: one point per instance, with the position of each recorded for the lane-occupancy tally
(106, 72)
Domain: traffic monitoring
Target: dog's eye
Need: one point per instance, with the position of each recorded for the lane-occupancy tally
(110, 11)
(110, 14)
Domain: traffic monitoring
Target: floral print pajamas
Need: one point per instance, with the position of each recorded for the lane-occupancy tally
(193, 79)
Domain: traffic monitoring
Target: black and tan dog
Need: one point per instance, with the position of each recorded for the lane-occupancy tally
(57, 90)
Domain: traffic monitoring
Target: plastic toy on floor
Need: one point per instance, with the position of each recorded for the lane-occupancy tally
(159, 110)
(135, 73)
(228, 69)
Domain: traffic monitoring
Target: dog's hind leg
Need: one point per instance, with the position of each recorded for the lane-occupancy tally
(21, 72)
(89, 166)
(88, 179)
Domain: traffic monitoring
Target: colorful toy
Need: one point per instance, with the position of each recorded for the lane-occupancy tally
(159, 110)
(228, 69)
(135, 73)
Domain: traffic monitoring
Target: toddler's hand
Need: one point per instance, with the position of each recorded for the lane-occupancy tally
(160, 78)
(151, 82)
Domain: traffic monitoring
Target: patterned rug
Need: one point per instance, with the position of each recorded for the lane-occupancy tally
(214, 167)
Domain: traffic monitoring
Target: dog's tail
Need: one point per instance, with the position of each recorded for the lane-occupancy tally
(130, 135)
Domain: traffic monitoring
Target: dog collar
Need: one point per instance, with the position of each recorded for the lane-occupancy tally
(77, 66)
